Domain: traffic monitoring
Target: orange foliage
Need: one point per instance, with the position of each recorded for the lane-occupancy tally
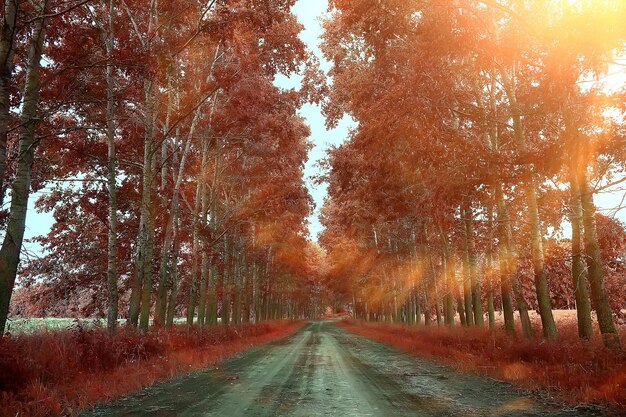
(570, 370)
(61, 373)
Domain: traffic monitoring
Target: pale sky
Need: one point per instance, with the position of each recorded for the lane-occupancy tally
(309, 12)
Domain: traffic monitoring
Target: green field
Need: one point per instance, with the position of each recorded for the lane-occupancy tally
(32, 325)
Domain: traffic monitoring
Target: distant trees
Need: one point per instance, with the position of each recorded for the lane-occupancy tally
(473, 121)
(163, 139)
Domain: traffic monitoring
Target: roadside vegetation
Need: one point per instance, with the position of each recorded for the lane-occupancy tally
(570, 371)
(60, 373)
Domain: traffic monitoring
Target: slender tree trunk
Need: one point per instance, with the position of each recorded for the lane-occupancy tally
(204, 262)
(136, 280)
(579, 272)
(113, 294)
(459, 304)
(220, 293)
(161, 300)
(505, 257)
(541, 277)
(449, 280)
(448, 298)
(490, 305)
(7, 47)
(147, 209)
(234, 285)
(204, 287)
(173, 295)
(246, 294)
(594, 265)
(418, 310)
(211, 313)
(20, 190)
(473, 266)
(255, 290)
(160, 306)
(467, 287)
(207, 267)
(491, 310)
(536, 234)
(427, 305)
(195, 255)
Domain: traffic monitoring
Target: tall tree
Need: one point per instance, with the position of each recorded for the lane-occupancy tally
(20, 189)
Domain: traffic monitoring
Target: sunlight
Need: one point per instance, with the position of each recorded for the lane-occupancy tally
(172, 162)
(589, 3)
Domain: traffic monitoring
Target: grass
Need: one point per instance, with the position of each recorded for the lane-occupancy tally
(567, 370)
(54, 373)
(34, 325)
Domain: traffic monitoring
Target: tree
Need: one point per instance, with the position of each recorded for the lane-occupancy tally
(20, 189)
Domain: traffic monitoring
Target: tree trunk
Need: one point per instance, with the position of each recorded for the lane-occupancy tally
(160, 305)
(173, 296)
(459, 304)
(467, 288)
(20, 190)
(204, 287)
(113, 294)
(147, 209)
(536, 235)
(161, 300)
(594, 265)
(541, 278)
(135, 283)
(448, 298)
(211, 311)
(473, 266)
(579, 272)
(204, 262)
(191, 307)
(505, 257)
(7, 45)
(489, 267)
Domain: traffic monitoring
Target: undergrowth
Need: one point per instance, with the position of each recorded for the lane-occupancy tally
(55, 373)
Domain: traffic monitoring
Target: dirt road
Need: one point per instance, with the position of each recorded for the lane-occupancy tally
(325, 371)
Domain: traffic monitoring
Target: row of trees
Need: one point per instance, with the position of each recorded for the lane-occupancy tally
(158, 134)
(483, 132)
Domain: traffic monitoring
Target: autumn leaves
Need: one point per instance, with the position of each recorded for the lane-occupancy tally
(178, 161)
(477, 144)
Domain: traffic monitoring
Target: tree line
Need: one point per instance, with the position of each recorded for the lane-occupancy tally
(172, 163)
(484, 130)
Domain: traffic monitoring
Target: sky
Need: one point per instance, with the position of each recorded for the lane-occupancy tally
(309, 13)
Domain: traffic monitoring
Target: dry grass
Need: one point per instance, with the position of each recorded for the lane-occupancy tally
(61, 373)
(568, 370)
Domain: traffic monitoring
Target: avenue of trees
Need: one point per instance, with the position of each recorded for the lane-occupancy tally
(171, 162)
(173, 165)
(484, 130)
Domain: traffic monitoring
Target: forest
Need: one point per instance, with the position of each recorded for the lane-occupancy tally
(171, 162)
(483, 135)
(465, 218)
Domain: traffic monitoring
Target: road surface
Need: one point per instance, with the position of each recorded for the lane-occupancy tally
(323, 370)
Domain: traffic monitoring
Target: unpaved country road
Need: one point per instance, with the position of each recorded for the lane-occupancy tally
(324, 370)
